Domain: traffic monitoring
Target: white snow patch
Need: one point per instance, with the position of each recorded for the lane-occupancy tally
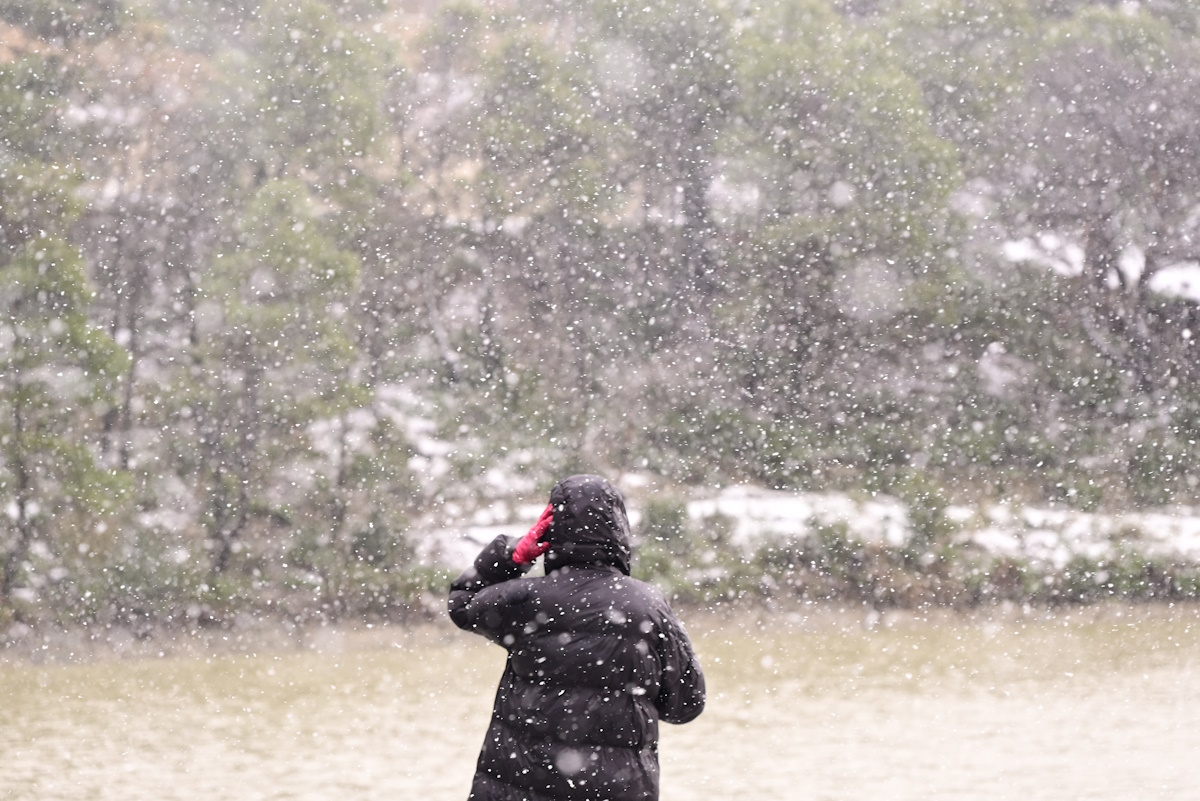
(174, 521)
(1131, 263)
(1177, 281)
(757, 513)
(1048, 250)
(1055, 536)
(327, 435)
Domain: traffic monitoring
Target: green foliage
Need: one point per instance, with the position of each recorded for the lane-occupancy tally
(45, 296)
(30, 92)
(928, 504)
(371, 575)
(847, 128)
(1126, 575)
(142, 583)
(64, 19)
(278, 358)
(664, 523)
(318, 88)
(967, 57)
(283, 294)
(1161, 465)
(536, 134)
(686, 427)
(691, 564)
(830, 565)
(52, 361)
(34, 198)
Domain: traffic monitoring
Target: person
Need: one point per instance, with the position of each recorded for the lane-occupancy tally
(595, 658)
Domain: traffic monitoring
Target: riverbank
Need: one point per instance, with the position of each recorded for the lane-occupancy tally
(788, 617)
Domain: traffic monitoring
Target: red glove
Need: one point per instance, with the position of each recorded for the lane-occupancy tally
(530, 546)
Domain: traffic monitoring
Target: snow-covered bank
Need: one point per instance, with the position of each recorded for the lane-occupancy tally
(1055, 536)
(500, 502)
(1048, 536)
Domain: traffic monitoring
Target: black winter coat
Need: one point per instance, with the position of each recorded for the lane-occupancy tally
(595, 660)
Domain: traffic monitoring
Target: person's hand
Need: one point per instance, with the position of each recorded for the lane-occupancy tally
(530, 546)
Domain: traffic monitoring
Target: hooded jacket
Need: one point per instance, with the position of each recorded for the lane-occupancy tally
(595, 659)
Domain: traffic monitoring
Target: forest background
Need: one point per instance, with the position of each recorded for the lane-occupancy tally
(284, 283)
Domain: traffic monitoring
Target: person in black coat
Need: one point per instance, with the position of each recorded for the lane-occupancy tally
(595, 658)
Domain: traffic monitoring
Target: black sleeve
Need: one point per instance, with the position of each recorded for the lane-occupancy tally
(485, 599)
(681, 690)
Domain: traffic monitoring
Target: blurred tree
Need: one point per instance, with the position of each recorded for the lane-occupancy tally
(587, 139)
(258, 165)
(54, 364)
(838, 193)
(1102, 152)
(531, 261)
(544, 190)
(665, 79)
(378, 215)
(272, 358)
(703, 239)
(313, 94)
(55, 367)
(843, 136)
(153, 188)
(967, 57)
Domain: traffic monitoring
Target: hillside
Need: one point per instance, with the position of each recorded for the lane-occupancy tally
(286, 283)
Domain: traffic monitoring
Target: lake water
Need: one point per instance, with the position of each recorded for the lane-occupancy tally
(1099, 703)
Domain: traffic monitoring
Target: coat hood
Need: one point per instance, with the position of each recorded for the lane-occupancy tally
(590, 524)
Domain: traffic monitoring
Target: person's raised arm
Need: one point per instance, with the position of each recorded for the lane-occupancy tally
(481, 600)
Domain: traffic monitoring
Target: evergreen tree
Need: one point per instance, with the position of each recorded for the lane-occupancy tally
(55, 367)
